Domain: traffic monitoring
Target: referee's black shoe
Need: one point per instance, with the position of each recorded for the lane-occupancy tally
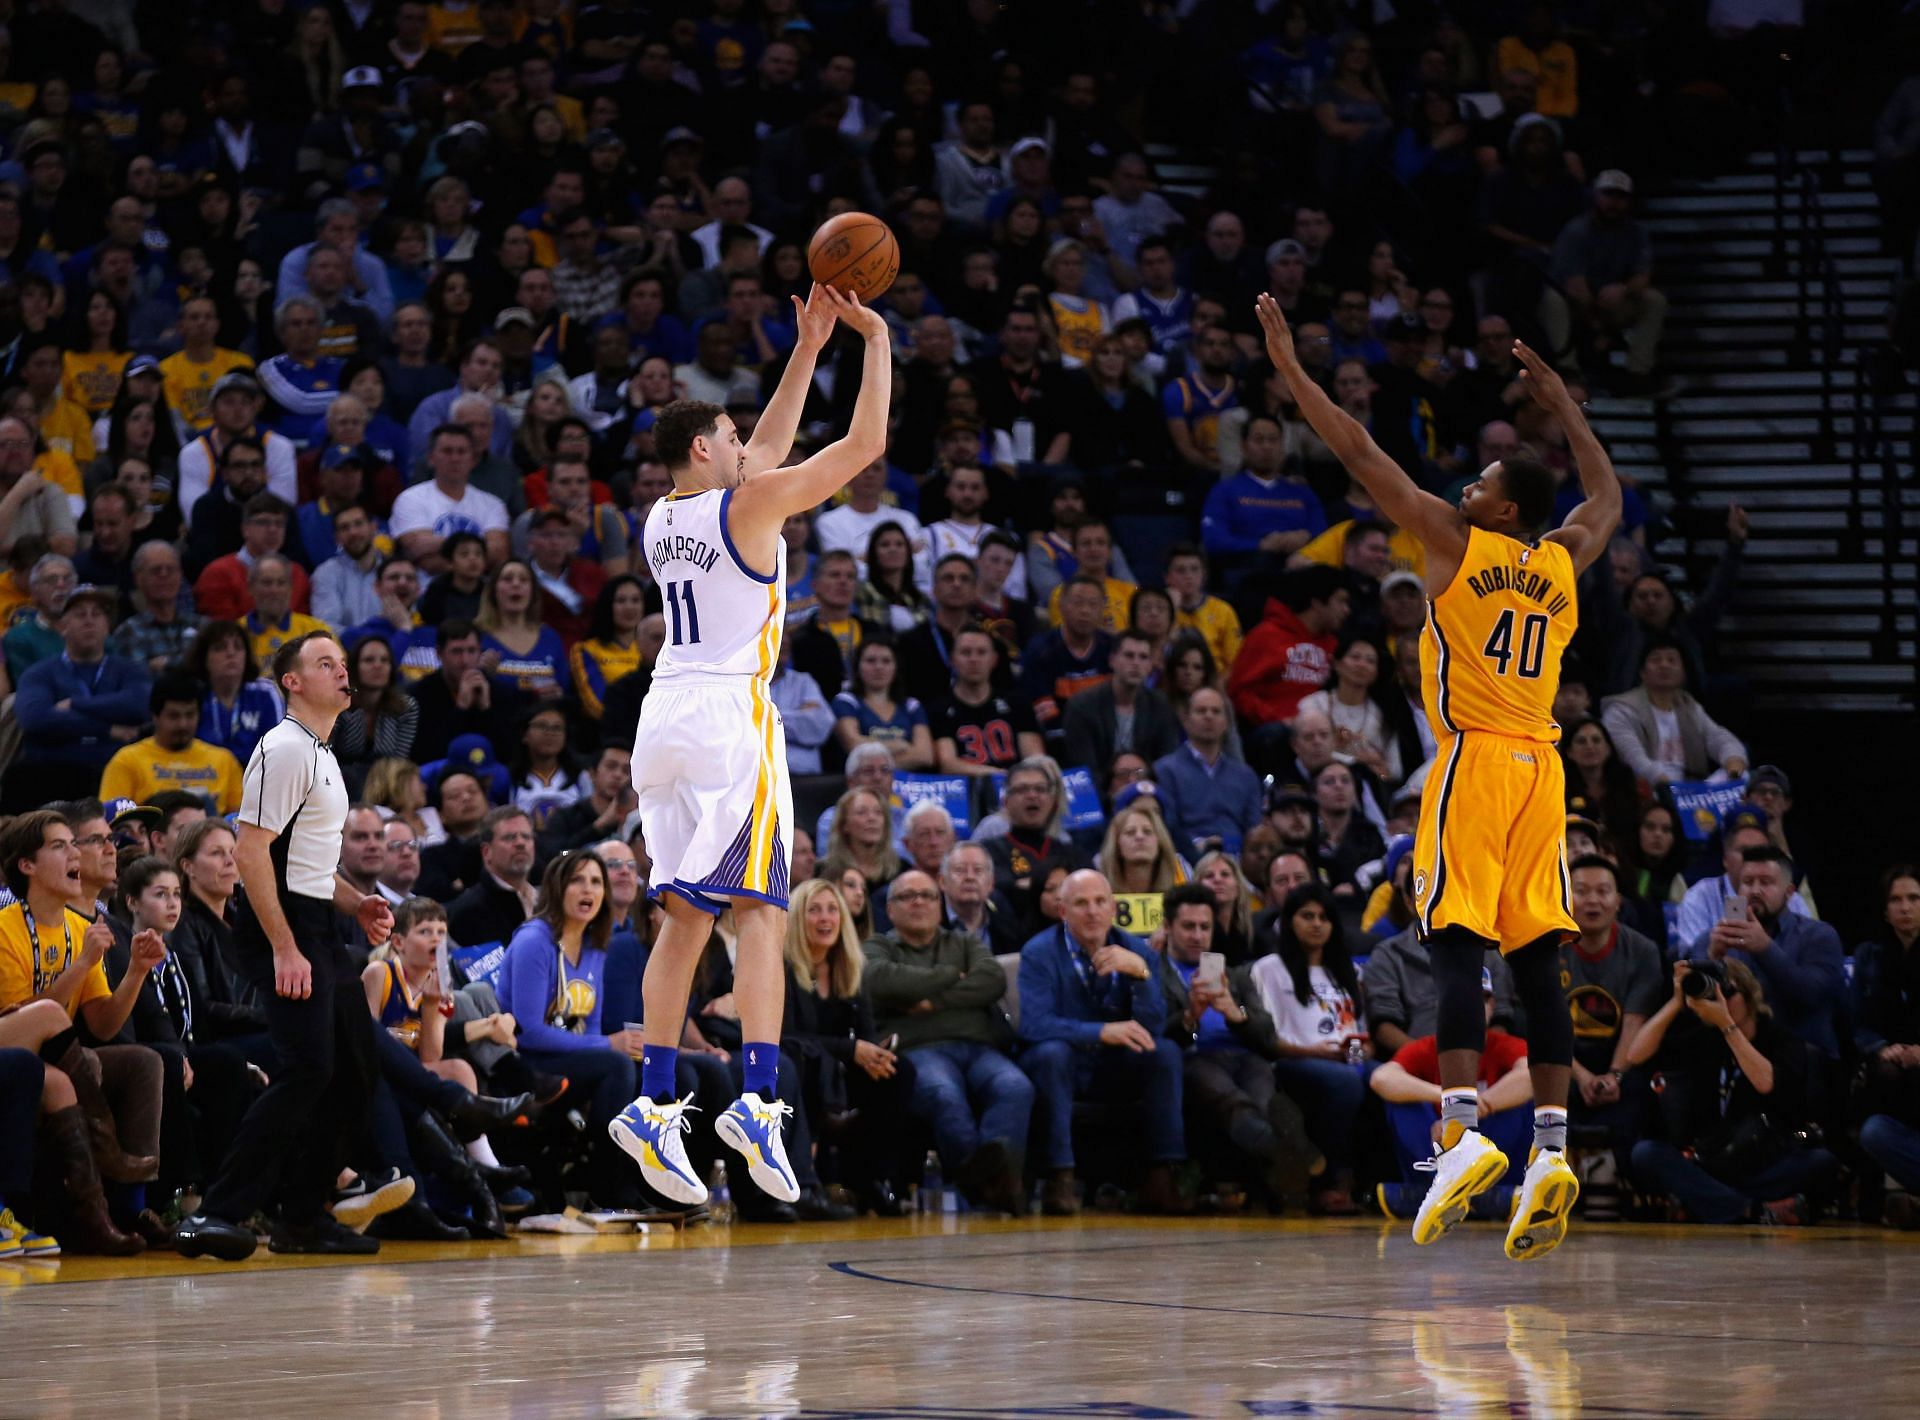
(321, 1234)
(490, 1111)
(203, 1235)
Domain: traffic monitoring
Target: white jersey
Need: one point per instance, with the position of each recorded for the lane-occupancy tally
(723, 618)
(294, 789)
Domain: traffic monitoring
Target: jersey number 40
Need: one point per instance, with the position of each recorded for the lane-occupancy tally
(1533, 645)
(685, 627)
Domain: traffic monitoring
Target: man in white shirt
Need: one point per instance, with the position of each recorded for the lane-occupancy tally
(1130, 212)
(428, 513)
(849, 527)
(731, 205)
(235, 405)
(966, 530)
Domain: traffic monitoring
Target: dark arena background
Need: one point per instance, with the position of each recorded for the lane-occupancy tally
(1109, 1045)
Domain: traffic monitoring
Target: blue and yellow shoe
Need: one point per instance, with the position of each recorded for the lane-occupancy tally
(751, 1128)
(650, 1134)
(18, 1240)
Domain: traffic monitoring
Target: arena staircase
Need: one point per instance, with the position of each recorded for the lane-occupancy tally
(1780, 299)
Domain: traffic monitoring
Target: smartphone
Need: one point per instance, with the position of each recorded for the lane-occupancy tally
(1213, 968)
(1733, 909)
(892, 1043)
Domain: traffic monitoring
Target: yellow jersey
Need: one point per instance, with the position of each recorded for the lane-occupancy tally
(1490, 659)
(68, 429)
(142, 769)
(33, 954)
(91, 381)
(1218, 626)
(1119, 605)
(1404, 552)
(266, 639)
(189, 384)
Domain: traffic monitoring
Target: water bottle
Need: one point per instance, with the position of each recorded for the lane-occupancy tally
(1356, 1050)
(932, 1195)
(719, 1199)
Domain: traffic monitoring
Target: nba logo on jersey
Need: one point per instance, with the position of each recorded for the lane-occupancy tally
(1526, 554)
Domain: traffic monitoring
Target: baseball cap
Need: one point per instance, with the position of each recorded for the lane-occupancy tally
(1397, 852)
(1027, 145)
(1770, 774)
(1139, 789)
(1579, 819)
(1742, 815)
(340, 454)
(106, 598)
(241, 380)
(514, 315)
(129, 811)
(366, 177)
(604, 138)
(141, 365)
(1401, 577)
(362, 76)
(1283, 796)
(682, 134)
(1613, 180)
(1286, 246)
(1406, 327)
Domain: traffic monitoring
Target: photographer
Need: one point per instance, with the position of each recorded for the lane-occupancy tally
(1729, 1082)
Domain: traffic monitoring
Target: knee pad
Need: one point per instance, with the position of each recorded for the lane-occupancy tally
(1536, 980)
(1458, 959)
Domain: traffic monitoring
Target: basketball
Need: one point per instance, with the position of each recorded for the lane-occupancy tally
(855, 253)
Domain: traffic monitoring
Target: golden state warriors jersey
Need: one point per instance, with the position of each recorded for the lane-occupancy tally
(1490, 658)
(723, 618)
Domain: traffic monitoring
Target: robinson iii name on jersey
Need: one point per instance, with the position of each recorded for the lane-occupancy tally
(1517, 579)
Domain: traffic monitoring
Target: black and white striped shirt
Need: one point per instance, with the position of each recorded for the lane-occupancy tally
(294, 789)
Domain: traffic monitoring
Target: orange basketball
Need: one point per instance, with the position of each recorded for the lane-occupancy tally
(855, 253)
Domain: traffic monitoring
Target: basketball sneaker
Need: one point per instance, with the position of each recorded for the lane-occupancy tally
(650, 1133)
(751, 1127)
(18, 1240)
(1469, 1168)
(1546, 1198)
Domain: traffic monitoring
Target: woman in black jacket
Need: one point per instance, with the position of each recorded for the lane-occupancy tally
(1115, 423)
(225, 1007)
(856, 1089)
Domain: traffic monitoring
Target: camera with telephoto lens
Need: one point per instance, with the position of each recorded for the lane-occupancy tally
(1704, 978)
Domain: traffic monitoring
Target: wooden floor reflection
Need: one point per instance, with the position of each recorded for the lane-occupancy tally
(933, 1318)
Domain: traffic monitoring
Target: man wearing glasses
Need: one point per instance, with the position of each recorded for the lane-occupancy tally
(29, 505)
(1035, 840)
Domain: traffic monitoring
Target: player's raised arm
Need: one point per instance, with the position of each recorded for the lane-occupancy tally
(1436, 523)
(773, 435)
(1589, 527)
(772, 496)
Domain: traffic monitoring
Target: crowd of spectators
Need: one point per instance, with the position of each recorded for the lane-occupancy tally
(1104, 683)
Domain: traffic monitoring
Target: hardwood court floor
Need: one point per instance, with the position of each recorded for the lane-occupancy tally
(944, 1317)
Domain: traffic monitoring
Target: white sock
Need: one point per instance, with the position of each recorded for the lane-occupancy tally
(480, 1150)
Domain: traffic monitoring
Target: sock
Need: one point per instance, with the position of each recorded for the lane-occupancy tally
(763, 1069)
(125, 1200)
(656, 1072)
(1459, 1112)
(1550, 1128)
(481, 1151)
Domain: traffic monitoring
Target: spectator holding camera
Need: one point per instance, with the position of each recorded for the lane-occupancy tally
(1799, 961)
(1744, 827)
(1732, 1083)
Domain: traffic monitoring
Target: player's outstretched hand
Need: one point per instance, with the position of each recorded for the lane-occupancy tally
(848, 308)
(1273, 323)
(1540, 379)
(813, 319)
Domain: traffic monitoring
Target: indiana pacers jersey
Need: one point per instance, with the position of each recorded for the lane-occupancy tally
(723, 618)
(1490, 852)
(1490, 660)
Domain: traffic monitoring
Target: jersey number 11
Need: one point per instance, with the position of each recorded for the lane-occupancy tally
(678, 595)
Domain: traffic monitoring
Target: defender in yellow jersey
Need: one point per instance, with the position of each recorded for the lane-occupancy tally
(1490, 854)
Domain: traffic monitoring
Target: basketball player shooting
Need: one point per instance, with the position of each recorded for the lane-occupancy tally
(1490, 856)
(710, 757)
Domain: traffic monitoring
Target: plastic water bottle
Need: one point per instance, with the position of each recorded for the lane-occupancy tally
(719, 1198)
(932, 1195)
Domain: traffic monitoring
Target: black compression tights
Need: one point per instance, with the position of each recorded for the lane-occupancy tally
(1458, 958)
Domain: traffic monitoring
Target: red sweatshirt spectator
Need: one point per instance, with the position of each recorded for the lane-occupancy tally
(1289, 654)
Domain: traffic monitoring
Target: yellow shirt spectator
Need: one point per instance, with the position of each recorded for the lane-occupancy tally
(266, 639)
(1119, 604)
(596, 666)
(22, 976)
(91, 380)
(1403, 550)
(63, 473)
(67, 428)
(1218, 627)
(142, 769)
(189, 384)
(452, 25)
(1556, 68)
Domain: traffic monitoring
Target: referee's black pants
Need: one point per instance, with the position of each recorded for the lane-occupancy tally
(298, 1134)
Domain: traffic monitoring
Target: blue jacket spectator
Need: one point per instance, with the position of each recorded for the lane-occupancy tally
(1243, 511)
(1203, 794)
(79, 708)
(1800, 963)
(1062, 1000)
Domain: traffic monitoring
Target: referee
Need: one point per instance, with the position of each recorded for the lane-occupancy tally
(287, 942)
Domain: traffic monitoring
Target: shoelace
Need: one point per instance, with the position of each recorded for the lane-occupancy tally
(674, 1116)
(773, 1111)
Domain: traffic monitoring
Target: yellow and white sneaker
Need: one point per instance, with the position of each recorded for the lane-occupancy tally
(1460, 1174)
(18, 1240)
(1541, 1209)
(650, 1133)
(751, 1128)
